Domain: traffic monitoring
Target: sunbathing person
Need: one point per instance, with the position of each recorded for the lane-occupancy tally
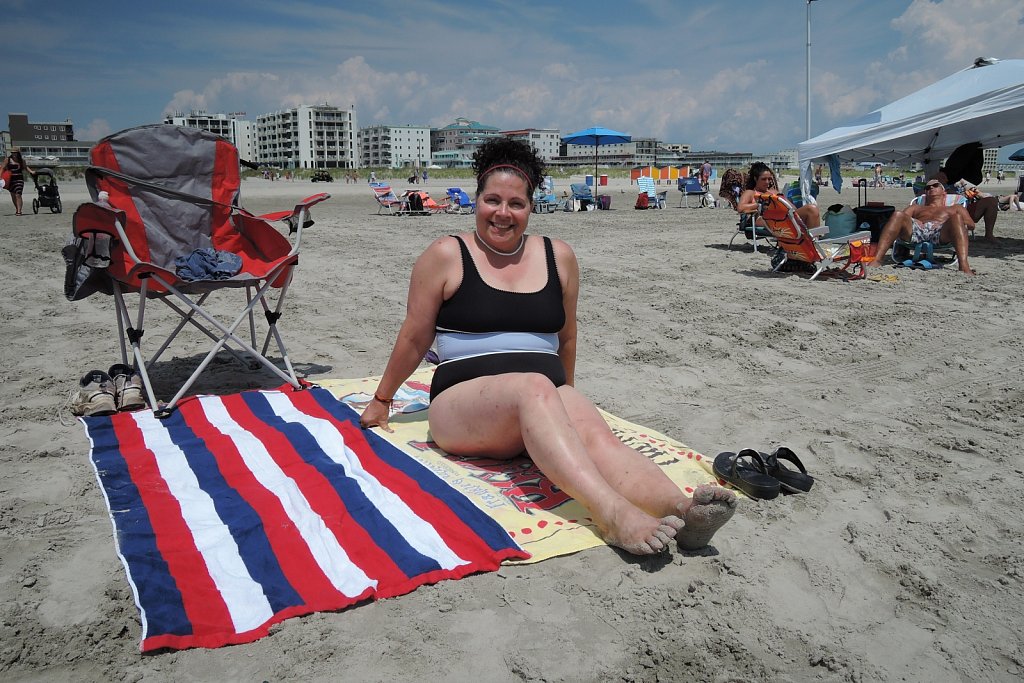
(502, 306)
(932, 222)
(761, 179)
(980, 205)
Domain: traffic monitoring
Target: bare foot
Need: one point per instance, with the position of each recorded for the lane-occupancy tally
(638, 533)
(967, 271)
(704, 514)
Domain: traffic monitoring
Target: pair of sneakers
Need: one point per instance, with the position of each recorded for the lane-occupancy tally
(105, 393)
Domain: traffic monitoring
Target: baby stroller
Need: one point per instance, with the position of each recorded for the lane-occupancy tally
(46, 189)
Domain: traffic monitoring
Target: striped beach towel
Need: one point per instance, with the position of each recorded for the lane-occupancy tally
(237, 512)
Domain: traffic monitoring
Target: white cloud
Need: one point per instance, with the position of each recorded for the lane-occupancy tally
(94, 130)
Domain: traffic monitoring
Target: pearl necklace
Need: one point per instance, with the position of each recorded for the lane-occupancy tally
(522, 243)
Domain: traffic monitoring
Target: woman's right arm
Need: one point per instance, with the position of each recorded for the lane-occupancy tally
(747, 203)
(426, 293)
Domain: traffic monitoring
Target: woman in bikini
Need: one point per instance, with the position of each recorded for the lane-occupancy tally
(502, 307)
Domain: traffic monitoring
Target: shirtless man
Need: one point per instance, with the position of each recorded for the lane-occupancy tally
(932, 222)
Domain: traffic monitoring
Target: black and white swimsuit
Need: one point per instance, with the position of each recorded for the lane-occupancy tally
(482, 330)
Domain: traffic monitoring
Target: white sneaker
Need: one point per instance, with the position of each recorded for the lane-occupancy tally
(127, 387)
(96, 396)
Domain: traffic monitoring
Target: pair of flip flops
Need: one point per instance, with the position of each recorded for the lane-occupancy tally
(762, 475)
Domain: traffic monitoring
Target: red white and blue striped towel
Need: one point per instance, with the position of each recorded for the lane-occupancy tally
(237, 512)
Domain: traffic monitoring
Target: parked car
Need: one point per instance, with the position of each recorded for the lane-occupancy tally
(322, 175)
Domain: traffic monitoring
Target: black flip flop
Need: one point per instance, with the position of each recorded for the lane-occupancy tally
(792, 481)
(748, 477)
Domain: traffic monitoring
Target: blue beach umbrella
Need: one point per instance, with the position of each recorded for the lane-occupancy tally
(1018, 155)
(595, 135)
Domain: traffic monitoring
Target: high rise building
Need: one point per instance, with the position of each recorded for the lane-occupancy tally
(308, 136)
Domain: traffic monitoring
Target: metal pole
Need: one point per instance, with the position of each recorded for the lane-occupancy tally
(809, 69)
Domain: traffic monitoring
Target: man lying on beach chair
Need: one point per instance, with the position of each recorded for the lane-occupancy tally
(934, 222)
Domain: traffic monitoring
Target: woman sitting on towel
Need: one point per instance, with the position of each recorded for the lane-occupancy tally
(502, 306)
(761, 179)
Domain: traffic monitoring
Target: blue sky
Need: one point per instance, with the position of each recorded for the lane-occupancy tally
(718, 75)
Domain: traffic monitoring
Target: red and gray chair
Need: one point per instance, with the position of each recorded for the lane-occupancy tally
(174, 193)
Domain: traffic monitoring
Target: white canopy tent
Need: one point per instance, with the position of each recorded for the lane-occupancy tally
(983, 103)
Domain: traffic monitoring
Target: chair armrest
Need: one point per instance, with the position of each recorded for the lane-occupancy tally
(819, 231)
(91, 218)
(863, 236)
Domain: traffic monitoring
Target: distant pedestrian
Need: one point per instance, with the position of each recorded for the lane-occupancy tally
(14, 165)
(705, 174)
(373, 177)
(424, 176)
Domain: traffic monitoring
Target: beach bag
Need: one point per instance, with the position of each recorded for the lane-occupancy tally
(841, 220)
(5, 178)
(415, 202)
(86, 260)
(642, 201)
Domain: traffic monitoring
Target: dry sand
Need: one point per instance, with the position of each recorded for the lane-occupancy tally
(903, 397)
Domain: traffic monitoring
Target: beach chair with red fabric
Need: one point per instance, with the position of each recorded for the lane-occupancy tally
(386, 198)
(797, 242)
(166, 197)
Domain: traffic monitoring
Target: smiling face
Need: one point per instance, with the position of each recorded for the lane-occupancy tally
(503, 210)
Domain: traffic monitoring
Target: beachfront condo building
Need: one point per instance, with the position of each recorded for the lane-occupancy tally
(233, 126)
(453, 146)
(545, 141)
(308, 136)
(394, 146)
(46, 144)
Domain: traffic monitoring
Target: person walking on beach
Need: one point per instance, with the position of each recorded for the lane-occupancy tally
(501, 307)
(15, 165)
(705, 175)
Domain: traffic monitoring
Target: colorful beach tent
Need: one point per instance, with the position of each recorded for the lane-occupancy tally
(983, 103)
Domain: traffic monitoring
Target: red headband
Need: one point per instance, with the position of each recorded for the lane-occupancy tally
(529, 183)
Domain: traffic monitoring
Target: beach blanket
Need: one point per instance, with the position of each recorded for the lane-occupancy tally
(237, 512)
(538, 515)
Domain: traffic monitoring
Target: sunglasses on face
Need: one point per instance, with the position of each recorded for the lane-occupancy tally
(933, 185)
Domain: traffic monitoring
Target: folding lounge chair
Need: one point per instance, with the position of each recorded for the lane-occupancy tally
(580, 198)
(798, 243)
(655, 199)
(459, 201)
(424, 207)
(691, 187)
(173, 191)
(386, 198)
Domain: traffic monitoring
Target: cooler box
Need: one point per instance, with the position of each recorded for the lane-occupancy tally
(604, 201)
(875, 216)
(590, 181)
(603, 179)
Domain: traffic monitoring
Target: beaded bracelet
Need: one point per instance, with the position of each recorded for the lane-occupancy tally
(385, 401)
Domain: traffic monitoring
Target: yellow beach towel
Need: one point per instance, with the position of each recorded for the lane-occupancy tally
(540, 517)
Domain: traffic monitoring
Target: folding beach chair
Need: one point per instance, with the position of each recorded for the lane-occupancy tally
(798, 243)
(580, 198)
(655, 199)
(692, 187)
(459, 201)
(176, 234)
(903, 251)
(418, 203)
(544, 198)
(386, 198)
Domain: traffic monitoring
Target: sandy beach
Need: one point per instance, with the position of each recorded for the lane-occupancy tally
(903, 395)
